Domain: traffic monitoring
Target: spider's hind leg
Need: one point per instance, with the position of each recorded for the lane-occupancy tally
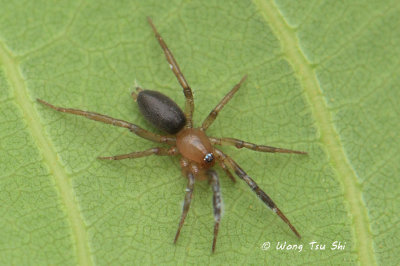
(113, 121)
(187, 91)
(137, 154)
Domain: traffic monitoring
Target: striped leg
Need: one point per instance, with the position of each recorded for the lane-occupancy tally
(251, 146)
(217, 204)
(186, 203)
(253, 185)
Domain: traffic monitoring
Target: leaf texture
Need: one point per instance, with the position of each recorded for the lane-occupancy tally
(323, 78)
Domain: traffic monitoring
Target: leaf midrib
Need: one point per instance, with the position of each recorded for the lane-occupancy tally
(308, 80)
(65, 189)
(329, 137)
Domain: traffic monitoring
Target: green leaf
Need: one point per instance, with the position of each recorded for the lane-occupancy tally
(323, 77)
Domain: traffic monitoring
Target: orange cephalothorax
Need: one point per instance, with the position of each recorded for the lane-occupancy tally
(194, 145)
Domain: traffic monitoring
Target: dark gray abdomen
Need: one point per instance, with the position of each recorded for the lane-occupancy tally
(161, 111)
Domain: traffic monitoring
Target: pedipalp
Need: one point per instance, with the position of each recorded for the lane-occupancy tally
(226, 170)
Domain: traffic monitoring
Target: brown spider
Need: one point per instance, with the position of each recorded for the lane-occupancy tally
(197, 152)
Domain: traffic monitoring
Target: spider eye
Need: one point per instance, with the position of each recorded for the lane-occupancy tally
(209, 158)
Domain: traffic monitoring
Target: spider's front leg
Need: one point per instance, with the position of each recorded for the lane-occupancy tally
(253, 185)
(217, 203)
(188, 196)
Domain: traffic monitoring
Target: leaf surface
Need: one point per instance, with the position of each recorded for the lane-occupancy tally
(323, 78)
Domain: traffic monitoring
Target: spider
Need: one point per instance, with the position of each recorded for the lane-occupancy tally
(197, 150)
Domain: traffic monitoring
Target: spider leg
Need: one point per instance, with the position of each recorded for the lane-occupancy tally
(138, 154)
(186, 203)
(213, 114)
(243, 144)
(189, 106)
(253, 185)
(115, 122)
(217, 203)
(226, 170)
